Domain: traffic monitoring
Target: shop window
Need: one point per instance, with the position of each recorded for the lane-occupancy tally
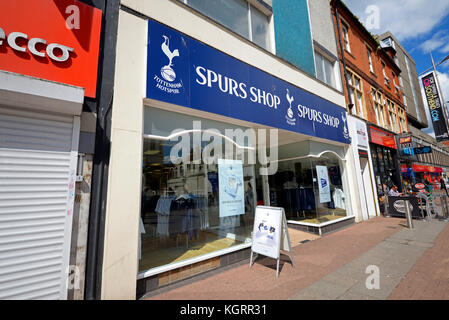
(237, 15)
(310, 189)
(190, 208)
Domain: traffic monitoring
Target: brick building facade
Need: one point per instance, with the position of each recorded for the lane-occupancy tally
(372, 76)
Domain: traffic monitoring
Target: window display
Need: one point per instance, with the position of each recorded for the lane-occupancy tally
(309, 188)
(199, 198)
(190, 209)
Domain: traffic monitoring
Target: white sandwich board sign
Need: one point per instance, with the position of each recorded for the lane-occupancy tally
(270, 234)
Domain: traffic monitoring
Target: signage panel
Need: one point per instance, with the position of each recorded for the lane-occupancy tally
(323, 184)
(405, 140)
(396, 206)
(362, 134)
(230, 183)
(437, 117)
(382, 138)
(186, 72)
(422, 150)
(270, 234)
(52, 40)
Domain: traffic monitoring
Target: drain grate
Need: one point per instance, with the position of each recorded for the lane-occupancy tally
(304, 241)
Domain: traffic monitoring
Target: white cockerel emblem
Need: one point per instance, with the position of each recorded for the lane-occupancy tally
(345, 130)
(290, 100)
(290, 115)
(167, 72)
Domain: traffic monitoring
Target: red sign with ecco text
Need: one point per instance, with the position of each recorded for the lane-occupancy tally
(56, 40)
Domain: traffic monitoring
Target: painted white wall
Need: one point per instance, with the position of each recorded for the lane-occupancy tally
(124, 188)
(17, 90)
(363, 187)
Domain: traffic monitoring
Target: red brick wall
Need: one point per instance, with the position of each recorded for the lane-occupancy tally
(357, 61)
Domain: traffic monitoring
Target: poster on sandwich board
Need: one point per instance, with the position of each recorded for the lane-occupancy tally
(270, 234)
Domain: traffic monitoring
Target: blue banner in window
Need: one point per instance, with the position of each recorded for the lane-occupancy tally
(188, 73)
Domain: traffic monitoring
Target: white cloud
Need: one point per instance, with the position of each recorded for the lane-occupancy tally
(406, 19)
(438, 41)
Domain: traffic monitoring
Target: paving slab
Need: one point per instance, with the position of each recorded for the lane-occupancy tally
(334, 267)
(393, 259)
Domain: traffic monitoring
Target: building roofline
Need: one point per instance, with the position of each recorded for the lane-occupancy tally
(362, 28)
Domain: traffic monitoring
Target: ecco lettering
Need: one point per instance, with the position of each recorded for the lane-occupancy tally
(33, 43)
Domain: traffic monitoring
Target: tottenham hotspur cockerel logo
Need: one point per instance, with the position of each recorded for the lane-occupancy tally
(291, 120)
(167, 72)
(166, 83)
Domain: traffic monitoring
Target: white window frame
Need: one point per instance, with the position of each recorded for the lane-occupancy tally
(271, 46)
(335, 68)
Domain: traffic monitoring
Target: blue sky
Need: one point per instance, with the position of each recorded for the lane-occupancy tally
(421, 26)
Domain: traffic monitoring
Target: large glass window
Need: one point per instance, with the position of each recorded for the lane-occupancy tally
(237, 15)
(201, 183)
(310, 189)
(198, 196)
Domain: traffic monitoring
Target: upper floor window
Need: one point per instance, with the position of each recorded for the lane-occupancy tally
(387, 42)
(346, 37)
(402, 121)
(356, 94)
(378, 107)
(370, 60)
(239, 16)
(384, 71)
(325, 69)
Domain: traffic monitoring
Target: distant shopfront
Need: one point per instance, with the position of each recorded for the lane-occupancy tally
(385, 162)
(418, 173)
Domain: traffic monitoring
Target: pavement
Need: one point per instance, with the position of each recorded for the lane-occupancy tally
(377, 259)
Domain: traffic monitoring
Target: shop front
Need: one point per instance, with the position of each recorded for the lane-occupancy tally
(219, 137)
(385, 163)
(419, 173)
(46, 71)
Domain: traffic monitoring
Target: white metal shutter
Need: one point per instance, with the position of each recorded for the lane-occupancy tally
(37, 170)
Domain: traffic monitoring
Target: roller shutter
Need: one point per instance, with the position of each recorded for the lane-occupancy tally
(38, 154)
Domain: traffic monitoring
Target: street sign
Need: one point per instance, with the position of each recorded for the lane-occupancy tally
(405, 140)
(420, 186)
(422, 150)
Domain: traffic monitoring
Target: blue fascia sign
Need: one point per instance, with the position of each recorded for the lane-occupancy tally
(186, 72)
